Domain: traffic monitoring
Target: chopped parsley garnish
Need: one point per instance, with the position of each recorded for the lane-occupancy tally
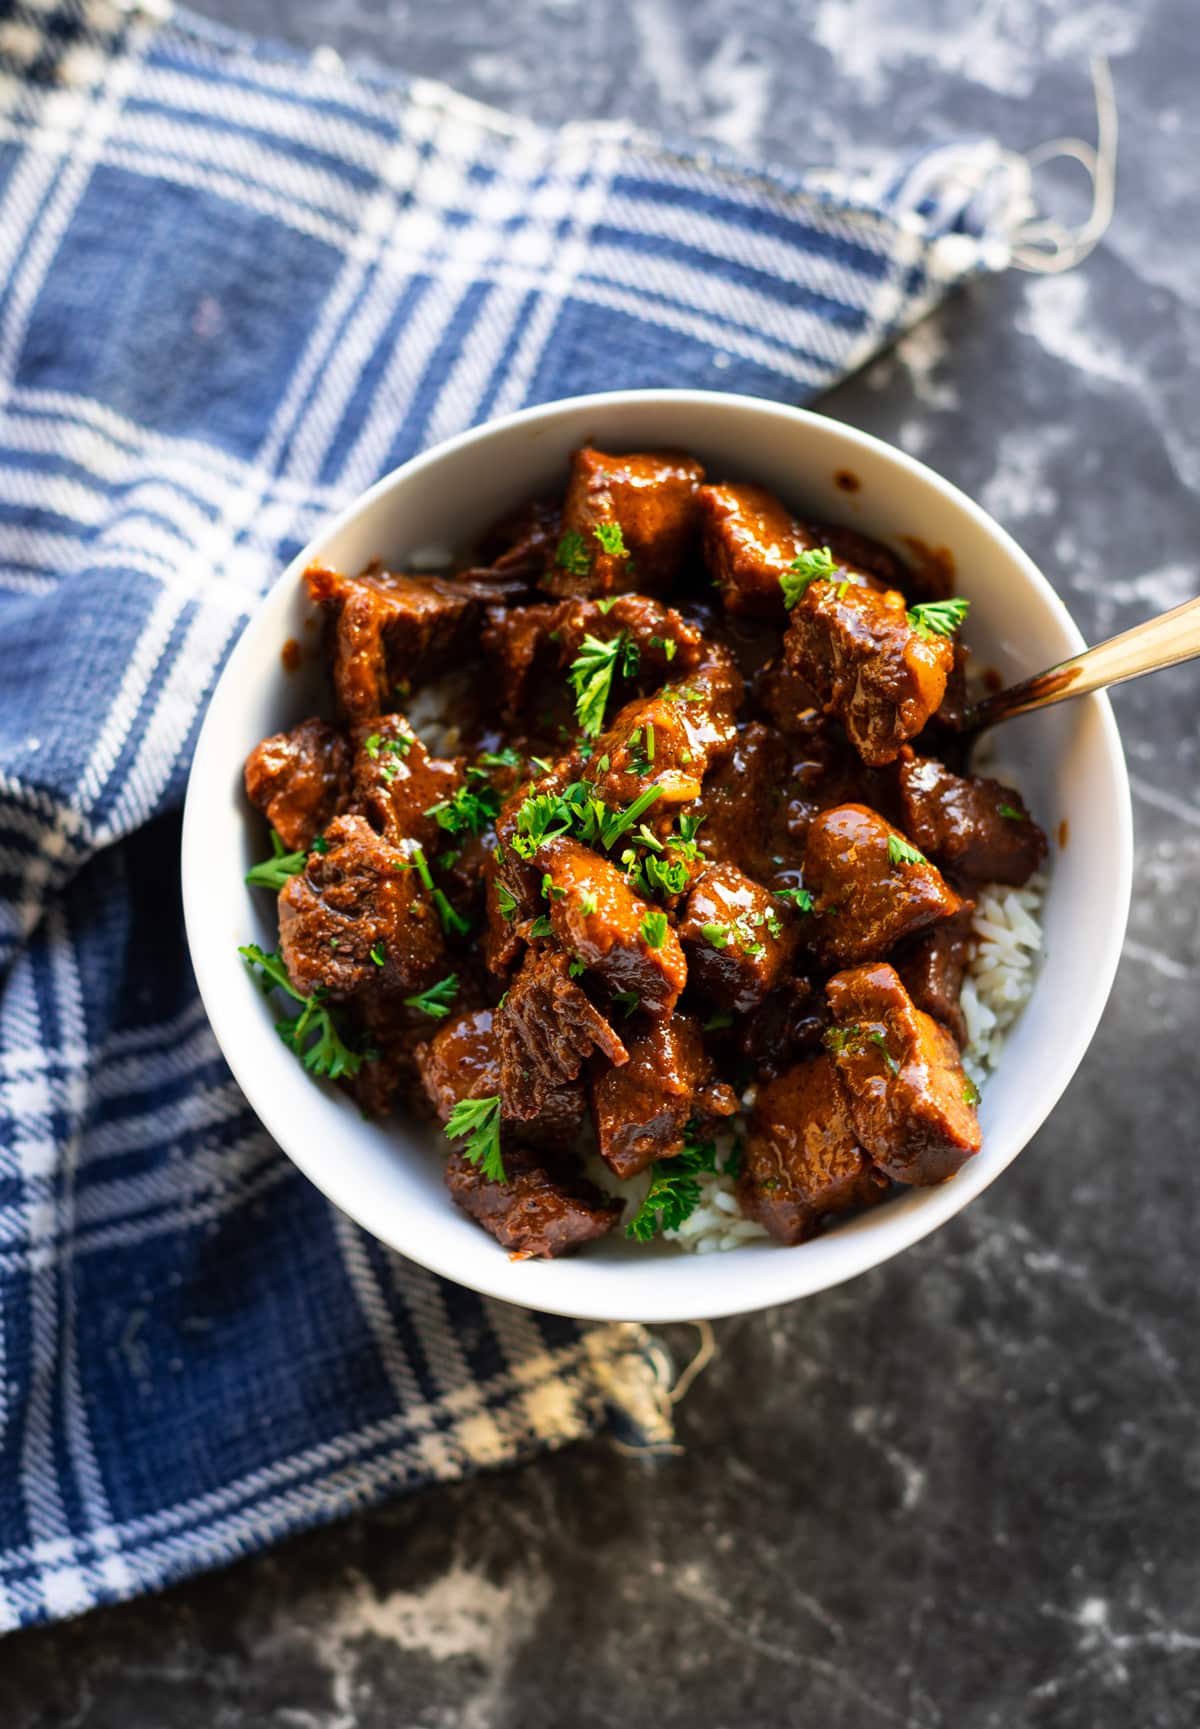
(587, 903)
(649, 743)
(611, 539)
(606, 606)
(506, 900)
(543, 816)
(667, 644)
(371, 745)
(550, 891)
(653, 930)
(801, 899)
(476, 1122)
(572, 555)
(903, 852)
(273, 872)
(626, 1000)
(674, 1193)
(938, 617)
(717, 936)
(451, 921)
(591, 678)
(812, 566)
(506, 758)
(311, 1034)
(876, 1037)
(378, 953)
(664, 877)
(320, 845)
(1008, 811)
(541, 927)
(468, 810)
(716, 1023)
(837, 1039)
(437, 1000)
(971, 1094)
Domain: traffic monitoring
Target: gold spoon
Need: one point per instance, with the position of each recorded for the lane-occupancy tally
(1163, 641)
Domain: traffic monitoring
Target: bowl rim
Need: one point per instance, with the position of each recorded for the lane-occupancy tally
(940, 1204)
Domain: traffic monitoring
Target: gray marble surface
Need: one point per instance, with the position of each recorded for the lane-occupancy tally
(963, 1490)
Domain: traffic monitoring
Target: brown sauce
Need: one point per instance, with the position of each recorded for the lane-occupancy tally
(290, 654)
(1063, 833)
(933, 566)
(846, 480)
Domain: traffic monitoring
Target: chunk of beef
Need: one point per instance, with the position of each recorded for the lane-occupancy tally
(299, 780)
(909, 1098)
(392, 1032)
(519, 545)
(526, 644)
(802, 1161)
(642, 1108)
(979, 828)
(786, 1026)
(741, 799)
(866, 897)
(547, 1028)
(396, 782)
(540, 1211)
(462, 1061)
(357, 918)
(651, 497)
(932, 967)
(659, 741)
(780, 695)
(751, 539)
(867, 664)
(739, 939)
(597, 918)
(389, 631)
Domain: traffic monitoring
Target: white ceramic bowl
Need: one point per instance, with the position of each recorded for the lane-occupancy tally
(388, 1177)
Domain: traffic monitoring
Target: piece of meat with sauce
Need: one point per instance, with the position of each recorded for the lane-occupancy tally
(979, 828)
(882, 678)
(462, 1061)
(598, 919)
(651, 497)
(740, 940)
(395, 781)
(540, 1211)
(358, 917)
(910, 1101)
(751, 540)
(547, 1029)
(786, 1026)
(802, 1160)
(520, 545)
(525, 644)
(389, 630)
(299, 780)
(868, 894)
(932, 967)
(642, 1109)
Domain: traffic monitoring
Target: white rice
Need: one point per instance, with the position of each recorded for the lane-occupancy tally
(1000, 976)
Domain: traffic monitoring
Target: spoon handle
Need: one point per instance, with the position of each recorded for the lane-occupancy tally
(1163, 641)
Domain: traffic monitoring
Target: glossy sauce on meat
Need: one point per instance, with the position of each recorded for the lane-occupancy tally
(699, 832)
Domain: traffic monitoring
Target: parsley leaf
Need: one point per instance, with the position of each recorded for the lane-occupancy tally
(273, 872)
(468, 810)
(435, 1001)
(587, 903)
(611, 539)
(653, 930)
(718, 1021)
(938, 617)
(812, 566)
(572, 555)
(903, 852)
(311, 1034)
(378, 953)
(506, 900)
(971, 1094)
(876, 1037)
(800, 898)
(541, 927)
(452, 922)
(1007, 811)
(626, 1000)
(476, 1122)
(591, 677)
(716, 936)
(674, 1193)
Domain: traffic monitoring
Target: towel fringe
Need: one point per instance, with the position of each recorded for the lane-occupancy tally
(1042, 244)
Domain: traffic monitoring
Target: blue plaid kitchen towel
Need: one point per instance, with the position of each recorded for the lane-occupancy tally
(237, 285)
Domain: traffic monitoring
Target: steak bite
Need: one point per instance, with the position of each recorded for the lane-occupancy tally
(642, 1109)
(547, 1028)
(979, 828)
(299, 780)
(882, 678)
(870, 888)
(462, 1061)
(396, 782)
(786, 1026)
(389, 631)
(598, 919)
(802, 1160)
(650, 498)
(932, 967)
(540, 1211)
(751, 539)
(740, 803)
(357, 917)
(739, 939)
(910, 1100)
